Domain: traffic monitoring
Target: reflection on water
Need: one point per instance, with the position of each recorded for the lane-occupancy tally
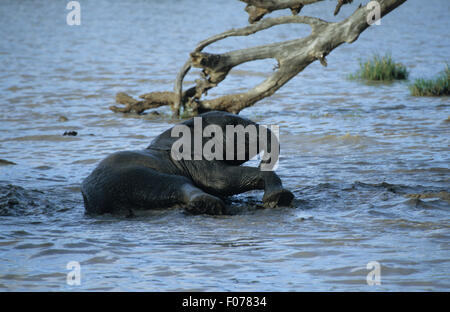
(368, 163)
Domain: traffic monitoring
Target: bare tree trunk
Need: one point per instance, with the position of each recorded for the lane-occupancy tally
(292, 56)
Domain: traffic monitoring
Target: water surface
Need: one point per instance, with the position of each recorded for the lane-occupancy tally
(368, 163)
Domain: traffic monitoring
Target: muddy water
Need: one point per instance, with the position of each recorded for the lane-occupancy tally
(368, 164)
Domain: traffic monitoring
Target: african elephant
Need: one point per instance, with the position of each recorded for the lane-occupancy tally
(157, 177)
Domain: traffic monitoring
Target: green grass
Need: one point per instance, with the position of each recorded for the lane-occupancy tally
(432, 87)
(381, 69)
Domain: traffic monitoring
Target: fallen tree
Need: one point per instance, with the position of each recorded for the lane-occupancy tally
(292, 57)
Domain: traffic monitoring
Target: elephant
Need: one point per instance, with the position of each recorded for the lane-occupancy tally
(157, 177)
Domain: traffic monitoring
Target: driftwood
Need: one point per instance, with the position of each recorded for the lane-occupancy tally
(292, 57)
(256, 9)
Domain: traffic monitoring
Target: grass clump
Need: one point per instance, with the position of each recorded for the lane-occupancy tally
(432, 87)
(381, 68)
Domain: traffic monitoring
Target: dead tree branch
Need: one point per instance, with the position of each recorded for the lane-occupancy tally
(256, 9)
(292, 57)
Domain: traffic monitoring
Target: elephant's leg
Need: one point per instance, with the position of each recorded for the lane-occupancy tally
(168, 189)
(222, 179)
(122, 190)
(253, 178)
(199, 202)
